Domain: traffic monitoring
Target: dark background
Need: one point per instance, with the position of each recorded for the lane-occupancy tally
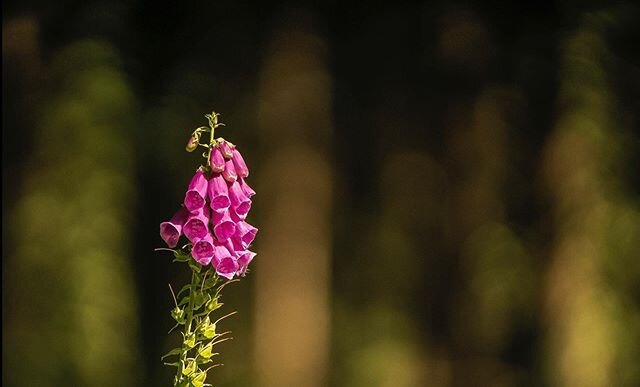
(448, 192)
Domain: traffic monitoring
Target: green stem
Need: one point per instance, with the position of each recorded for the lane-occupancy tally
(187, 327)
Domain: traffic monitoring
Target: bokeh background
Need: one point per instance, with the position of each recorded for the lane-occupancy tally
(448, 192)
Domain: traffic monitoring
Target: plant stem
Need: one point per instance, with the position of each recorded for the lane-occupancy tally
(187, 327)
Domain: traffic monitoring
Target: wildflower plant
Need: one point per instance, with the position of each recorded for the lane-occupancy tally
(213, 221)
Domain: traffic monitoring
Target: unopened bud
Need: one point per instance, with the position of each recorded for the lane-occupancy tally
(192, 144)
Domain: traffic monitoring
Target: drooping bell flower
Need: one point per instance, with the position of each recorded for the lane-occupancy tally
(239, 201)
(229, 172)
(196, 226)
(203, 250)
(225, 148)
(170, 231)
(217, 161)
(223, 227)
(245, 233)
(224, 262)
(218, 193)
(244, 259)
(195, 197)
(238, 162)
(248, 191)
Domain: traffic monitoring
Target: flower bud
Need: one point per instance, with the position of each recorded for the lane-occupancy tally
(229, 172)
(217, 161)
(225, 148)
(192, 144)
(238, 162)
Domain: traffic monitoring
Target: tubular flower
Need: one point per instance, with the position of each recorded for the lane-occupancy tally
(238, 162)
(223, 226)
(170, 231)
(203, 250)
(217, 202)
(217, 160)
(197, 226)
(239, 201)
(196, 194)
(218, 193)
(225, 263)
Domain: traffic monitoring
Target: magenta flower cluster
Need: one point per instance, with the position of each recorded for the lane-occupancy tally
(214, 215)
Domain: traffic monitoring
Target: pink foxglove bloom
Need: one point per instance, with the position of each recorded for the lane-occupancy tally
(244, 259)
(223, 227)
(218, 193)
(170, 231)
(245, 233)
(224, 262)
(248, 191)
(229, 172)
(238, 162)
(239, 201)
(196, 194)
(225, 148)
(217, 161)
(197, 226)
(203, 250)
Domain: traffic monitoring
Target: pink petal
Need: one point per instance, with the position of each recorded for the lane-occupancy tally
(223, 227)
(225, 264)
(217, 161)
(194, 199)
(225, 148)
(170, 231)
(197, 226)
(246, 233)
(248, 191)
(239, 201)
(218, 193)
(229, 172)
(203, 250)
(238, 162)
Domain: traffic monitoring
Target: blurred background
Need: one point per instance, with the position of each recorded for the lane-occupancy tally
(448, 192)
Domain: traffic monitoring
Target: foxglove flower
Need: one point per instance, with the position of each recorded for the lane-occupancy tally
(244, 259)
(203, 250)
(229, 172)
(225, 148)
(218, 193)
(224, 262)
(170, 231)
(245, 233)
(223, 227)
(196, 194)
(248, 191)
(239, 164)
(197, 226)
(217, 160)
(239, 201)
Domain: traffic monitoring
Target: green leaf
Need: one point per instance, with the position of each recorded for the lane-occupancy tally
(181, 256)
(176, 364)
(185, 287)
